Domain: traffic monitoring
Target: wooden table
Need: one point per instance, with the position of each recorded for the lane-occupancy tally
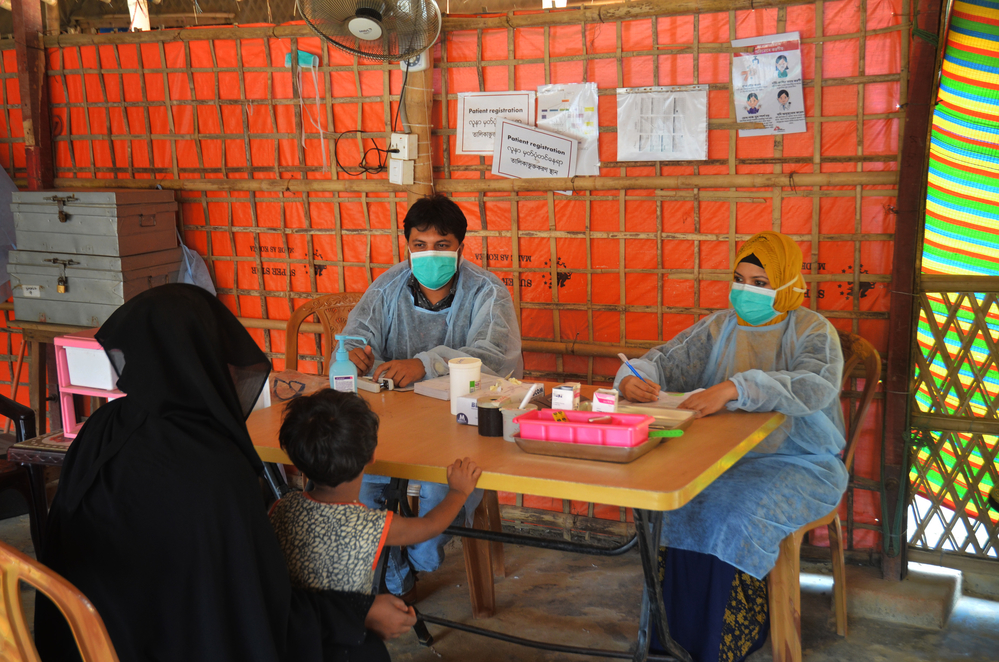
(418, 438)
(41, 335)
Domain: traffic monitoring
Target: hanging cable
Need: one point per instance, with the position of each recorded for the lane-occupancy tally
(362, 166)
(381, 154)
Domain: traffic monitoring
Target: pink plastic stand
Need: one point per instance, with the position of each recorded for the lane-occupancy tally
(83, 339)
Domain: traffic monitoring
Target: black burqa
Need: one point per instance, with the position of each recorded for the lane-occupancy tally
(159, 518)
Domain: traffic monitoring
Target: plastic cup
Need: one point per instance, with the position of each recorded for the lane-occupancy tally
(511, 429)
(465, 373)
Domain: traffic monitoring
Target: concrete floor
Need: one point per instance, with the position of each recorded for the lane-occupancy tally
(594, 601)
(588, 601)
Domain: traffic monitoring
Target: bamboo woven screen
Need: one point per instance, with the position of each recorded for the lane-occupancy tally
(219, 111)
(11, 128)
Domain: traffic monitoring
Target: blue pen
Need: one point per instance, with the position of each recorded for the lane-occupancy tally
(630, 367)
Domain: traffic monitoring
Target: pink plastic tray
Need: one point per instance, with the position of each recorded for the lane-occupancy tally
(623, 429)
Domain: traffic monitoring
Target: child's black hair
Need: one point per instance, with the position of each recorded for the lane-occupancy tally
(329, 435)
(438, 212)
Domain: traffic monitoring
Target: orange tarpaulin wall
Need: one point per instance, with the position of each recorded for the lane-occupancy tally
(616, 267)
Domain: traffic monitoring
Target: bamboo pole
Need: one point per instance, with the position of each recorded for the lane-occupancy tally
(543, 346)
(624, 11)
(950, 283)
(419, 101)
(888, 178)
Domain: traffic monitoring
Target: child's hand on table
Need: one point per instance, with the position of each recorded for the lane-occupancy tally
(463, 475)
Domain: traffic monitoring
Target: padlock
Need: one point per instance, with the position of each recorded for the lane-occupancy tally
(62, 285)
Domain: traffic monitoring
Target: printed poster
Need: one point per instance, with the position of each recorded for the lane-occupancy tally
(571, 110)
(662, 123)
(479, 112)
(766, 84)
(525, 152)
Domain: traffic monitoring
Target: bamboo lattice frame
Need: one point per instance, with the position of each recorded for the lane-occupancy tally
(956, 415)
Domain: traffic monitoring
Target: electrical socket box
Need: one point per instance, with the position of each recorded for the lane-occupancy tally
(406, 143)
(401, 171)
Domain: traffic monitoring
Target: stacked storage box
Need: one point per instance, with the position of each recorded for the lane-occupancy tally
(81, 254)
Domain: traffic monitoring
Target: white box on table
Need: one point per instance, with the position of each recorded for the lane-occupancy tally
(566, 396)
(468, 411)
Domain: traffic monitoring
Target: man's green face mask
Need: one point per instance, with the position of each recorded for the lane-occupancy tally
(433, 269)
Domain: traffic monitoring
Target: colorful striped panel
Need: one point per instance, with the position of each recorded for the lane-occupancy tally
(962, 237)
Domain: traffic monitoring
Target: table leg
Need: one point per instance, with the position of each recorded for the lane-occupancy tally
(37, 392)
(648, 526)
(51, 388)
(490, 501)
(479, 567)
(39, 506)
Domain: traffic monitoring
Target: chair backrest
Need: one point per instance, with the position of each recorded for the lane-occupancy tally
(856, 351)
(16, 642)
(22, 416)
(332, 311)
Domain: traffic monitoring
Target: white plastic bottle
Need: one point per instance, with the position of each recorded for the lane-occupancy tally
(343, 372)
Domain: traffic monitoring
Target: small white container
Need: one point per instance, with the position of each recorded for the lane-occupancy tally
(566, 396)
(465, 373)
(90, 368)
(605, 400)
(511, 429)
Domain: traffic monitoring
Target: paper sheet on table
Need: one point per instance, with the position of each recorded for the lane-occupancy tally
(673, 400)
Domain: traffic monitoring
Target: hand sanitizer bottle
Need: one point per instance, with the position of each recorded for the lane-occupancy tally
(343, 372)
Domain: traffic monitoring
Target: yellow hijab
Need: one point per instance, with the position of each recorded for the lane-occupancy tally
(781, 259)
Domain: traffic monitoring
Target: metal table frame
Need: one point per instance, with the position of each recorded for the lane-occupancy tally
(648, 527)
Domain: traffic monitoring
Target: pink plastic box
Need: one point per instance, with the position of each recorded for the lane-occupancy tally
(622, 430)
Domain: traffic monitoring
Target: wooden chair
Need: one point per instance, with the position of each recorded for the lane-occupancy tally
(14, 476)
(783, 580)
(332, 311)
(16, 643)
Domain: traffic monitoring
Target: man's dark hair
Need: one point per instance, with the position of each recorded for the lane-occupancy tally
(438, 212)
(330, 436)
(783, 93)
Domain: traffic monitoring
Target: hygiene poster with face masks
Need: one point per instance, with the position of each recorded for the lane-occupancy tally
(766, 84)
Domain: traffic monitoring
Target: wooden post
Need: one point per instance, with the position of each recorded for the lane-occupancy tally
(419, 103)
(908, 230)
(28, 30)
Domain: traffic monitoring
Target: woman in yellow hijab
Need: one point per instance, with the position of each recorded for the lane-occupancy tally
(765, 353)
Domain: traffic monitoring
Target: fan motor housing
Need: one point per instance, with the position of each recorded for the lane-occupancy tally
(365, 24)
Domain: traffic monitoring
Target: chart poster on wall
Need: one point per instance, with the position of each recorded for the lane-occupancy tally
(523, 151)
(571, 110)
(766, 83)
(662, 123)
(479, 112)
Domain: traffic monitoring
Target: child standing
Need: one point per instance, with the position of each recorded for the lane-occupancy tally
(329, 538)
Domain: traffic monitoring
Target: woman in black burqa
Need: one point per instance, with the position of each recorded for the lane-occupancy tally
(159, 519)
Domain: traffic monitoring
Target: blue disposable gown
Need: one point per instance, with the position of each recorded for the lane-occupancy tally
(795, 475)
(480, 322)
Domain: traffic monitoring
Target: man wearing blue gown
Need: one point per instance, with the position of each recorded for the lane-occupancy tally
(418, 315)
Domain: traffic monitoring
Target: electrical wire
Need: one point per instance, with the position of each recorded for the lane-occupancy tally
(380, 164)
(362, 166)
(402, 97)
